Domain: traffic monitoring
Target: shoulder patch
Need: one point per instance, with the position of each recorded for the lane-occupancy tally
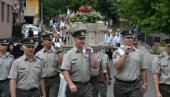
(160, 56)
(11, 55)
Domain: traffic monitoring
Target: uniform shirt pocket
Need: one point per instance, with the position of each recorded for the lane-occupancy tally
(74, 63)
(22, 71)
(37, 69)
(165, 68)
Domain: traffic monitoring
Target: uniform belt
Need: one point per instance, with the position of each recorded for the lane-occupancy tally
(51, 77)
(164, 84)
(5, 80)
(29, 90)
(122, 81)
(82, 83)
(94, 77)
(105, 74)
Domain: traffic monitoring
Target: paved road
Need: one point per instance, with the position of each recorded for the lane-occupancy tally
(148, 59)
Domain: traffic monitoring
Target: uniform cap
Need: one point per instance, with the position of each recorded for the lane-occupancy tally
(4, 41)
(79, 33)
(127, 33)
(167, 41)
(135, 40)
(28, 41)
(47, 36)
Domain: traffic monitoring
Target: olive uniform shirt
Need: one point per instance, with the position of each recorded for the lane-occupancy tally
(27, 73)
(50, 65)
(77, 64)
(130, 70)
(161, 66)
(5, 65)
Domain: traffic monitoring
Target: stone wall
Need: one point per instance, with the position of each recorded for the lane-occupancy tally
(94, 35)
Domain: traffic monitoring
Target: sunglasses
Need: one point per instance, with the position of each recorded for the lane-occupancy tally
(29, 46)
(129, 37)
(4, 44)
(81, 38)
(135, 43)
(48, 39)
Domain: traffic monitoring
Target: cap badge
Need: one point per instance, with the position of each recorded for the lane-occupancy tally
(82, 33)
(51, 36)
(5, 40)
(31, 41)
(130, 32)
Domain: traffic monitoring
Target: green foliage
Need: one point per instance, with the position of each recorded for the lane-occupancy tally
(156, 51)
(52, 8)
(151, 15)
(107, 8)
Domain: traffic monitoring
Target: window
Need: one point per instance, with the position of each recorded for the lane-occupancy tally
(2, 11)
(8, 14)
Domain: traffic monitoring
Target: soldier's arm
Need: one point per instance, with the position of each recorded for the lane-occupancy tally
(67, 77)
(42, 85)
(93, 61)
(144, 76)
(156, 72)
(13, 76)
(109, 73)
(101, 74)
(120, 60)
(13, 87)
(156, 82)
(60, 58)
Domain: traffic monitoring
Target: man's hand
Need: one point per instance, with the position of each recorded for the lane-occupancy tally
(101, 85)
(73, 88)
(144, 88)
(158, 94)
(127, 48)
(109, 82)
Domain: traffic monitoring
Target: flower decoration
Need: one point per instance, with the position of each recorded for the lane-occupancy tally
(86, 14)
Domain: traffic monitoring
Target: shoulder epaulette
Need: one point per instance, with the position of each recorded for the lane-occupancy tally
(38, 58)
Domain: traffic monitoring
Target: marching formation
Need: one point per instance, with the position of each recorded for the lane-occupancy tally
(86, 71)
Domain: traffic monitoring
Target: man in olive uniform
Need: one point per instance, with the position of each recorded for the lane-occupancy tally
(51, 58)
(96, 77)
(76, 67)
(6, 60)
(129, 64)
(26, 76)
(106, 72)
(161, 72)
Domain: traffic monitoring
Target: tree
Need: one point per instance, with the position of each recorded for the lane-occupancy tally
(107, 8)
(52, 8)
(151, 15)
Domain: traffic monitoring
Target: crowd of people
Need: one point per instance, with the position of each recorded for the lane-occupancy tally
(34, 69)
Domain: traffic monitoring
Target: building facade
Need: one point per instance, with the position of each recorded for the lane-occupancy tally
(31, 11)
(6, 16)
